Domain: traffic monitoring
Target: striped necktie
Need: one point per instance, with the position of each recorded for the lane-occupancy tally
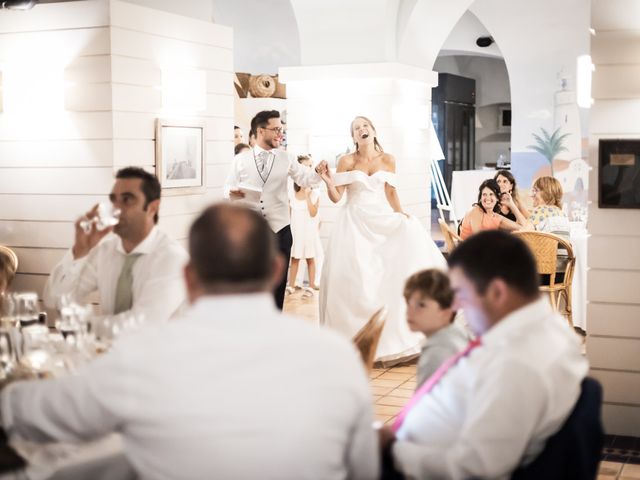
(432, 381)
(124, 287)
(261, 161)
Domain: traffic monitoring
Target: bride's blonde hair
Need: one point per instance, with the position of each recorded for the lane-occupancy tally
(376, 144)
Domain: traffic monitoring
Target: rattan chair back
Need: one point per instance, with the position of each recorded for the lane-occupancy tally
(368, 337)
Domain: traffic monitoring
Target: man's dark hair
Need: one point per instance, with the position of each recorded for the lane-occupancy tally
(233, 248)
(493, 254)
(261, 120)
(150, 184)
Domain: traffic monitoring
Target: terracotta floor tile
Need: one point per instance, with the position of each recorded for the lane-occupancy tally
(609, 468)
(401, 393)
(406, 369)
(380, 382)
(391, 375)
(384, 418)
(394, 401)
(391, 420)
(386, 409)
(376, 390)
(630, 471)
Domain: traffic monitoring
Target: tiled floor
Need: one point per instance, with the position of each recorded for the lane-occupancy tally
(392, 387)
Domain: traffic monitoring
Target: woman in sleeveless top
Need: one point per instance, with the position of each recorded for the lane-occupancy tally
(509, 197)
(373, 249)
(483, 215)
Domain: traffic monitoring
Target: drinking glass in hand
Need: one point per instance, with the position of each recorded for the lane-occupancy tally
(106, 216)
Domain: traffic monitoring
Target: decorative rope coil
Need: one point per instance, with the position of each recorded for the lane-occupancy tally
(262, 86)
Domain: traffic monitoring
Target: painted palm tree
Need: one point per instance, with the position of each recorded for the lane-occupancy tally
(549, 145)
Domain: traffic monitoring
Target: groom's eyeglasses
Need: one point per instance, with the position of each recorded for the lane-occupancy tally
(277, 130)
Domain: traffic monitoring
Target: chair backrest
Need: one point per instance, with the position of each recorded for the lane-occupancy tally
(368, 337)
(12, 256)
(574, 451)
(451, 238)
(544, 247)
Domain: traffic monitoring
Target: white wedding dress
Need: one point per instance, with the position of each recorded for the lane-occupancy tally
(371, 253)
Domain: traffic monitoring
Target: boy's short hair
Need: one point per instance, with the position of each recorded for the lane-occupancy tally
(431, 283)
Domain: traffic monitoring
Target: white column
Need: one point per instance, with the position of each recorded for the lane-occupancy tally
(323, 100)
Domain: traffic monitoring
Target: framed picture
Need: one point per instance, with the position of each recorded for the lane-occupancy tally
(180, 156)
(619, 174)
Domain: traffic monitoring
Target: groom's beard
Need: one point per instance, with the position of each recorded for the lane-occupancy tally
(273, 143)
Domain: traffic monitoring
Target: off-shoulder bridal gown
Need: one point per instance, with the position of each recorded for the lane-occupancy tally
(372, 251)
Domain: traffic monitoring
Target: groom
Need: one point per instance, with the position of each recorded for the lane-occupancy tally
(267, 168)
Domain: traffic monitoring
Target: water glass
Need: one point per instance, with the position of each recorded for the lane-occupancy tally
(7, 353)
(27, 309)
(106, 216)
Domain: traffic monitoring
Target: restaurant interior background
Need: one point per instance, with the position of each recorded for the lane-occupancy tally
(83, 83)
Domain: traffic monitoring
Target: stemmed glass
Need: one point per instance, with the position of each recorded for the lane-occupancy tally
(27, 308)
(106, 216)
(7, 354)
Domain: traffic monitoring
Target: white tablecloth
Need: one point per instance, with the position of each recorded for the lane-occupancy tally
(579, 237)
(464, 189)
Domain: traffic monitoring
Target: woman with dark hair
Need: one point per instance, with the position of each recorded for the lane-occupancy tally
(374, 247)
(484, 214)
(510, 202)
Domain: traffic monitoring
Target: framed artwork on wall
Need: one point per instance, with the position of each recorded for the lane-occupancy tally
(180, 156)
(619, 174)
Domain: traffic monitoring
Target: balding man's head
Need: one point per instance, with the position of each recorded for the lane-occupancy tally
(232, 250)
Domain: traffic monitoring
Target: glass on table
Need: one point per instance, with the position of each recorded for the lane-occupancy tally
(106, 216)
(7, 353)
(27, 310)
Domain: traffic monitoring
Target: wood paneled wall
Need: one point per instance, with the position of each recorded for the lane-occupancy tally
(56, 166)
(613, 313)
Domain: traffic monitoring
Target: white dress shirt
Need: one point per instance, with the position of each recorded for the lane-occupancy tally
(235, 389)
(274, 200)
(158, 285)
(495, 409)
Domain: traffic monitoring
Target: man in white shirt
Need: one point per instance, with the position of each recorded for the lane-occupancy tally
(496, 406)
(234, 389)
(266, 168)
(137, 269)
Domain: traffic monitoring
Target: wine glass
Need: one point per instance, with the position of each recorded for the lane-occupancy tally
(106, 216)
(27, 308)
(7, 354)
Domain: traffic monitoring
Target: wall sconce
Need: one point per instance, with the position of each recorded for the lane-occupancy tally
(184, 90)
(29, 89)
(583, 88)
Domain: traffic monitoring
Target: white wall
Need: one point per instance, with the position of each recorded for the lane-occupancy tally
(265, 34)
(55, 164)
(613, 313)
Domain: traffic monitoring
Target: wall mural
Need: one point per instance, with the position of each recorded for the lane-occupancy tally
(560, 152)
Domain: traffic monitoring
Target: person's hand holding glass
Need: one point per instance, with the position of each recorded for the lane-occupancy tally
(93, 226)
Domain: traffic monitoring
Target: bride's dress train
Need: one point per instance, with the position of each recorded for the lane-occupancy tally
(372, 251)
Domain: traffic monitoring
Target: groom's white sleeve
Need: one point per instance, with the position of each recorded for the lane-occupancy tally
(302, 175)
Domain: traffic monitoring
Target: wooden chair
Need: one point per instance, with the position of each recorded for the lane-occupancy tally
(451, 238)
(12, 256)
(368, 337)
(545, 250)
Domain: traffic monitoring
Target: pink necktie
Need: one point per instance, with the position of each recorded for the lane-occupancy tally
(432, 381)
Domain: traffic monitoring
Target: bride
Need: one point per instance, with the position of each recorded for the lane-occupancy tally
(373, 249)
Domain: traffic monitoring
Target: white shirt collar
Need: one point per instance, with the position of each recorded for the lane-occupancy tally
(257, 150)
(518, 322)
(145, 246)
(238, 303)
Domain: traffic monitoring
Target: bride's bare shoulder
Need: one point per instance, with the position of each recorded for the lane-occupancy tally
(389, 162)
(346, 163)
